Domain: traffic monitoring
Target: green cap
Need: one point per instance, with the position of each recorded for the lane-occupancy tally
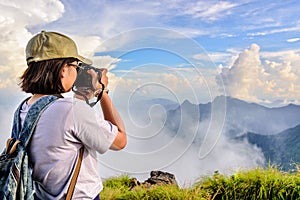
(52, 45)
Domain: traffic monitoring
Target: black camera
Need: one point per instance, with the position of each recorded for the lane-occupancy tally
(84, 79)
(84, 83)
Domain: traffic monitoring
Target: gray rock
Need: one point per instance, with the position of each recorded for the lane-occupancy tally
(161, 178)
(156, 178)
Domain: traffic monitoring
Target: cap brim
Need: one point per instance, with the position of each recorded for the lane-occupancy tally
(85, 60)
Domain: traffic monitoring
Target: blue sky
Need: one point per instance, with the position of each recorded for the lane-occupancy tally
(216, 25)
(178, 49)
(222, 29)
(206, 36)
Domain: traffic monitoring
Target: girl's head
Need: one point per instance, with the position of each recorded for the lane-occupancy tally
(49, 76)
(51, 58)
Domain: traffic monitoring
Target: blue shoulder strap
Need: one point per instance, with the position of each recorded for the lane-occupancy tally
(31, 119)
(17, 121)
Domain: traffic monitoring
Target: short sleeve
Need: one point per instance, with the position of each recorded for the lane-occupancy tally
(91, 129)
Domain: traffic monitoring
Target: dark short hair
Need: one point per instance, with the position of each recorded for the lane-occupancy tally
(44, 77)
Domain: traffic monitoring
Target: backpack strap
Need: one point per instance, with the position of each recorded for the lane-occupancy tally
(17, 121)
(75, 175)
(32, 118)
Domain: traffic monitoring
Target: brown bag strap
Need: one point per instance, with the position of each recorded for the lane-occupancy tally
(75, 176)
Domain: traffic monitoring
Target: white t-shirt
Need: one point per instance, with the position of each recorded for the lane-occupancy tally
(64, 127)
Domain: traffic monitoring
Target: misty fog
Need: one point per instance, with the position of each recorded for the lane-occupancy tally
(190, 150)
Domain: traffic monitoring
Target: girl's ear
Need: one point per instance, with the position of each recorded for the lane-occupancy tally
(63, 71)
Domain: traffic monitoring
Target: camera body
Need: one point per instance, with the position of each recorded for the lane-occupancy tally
(84, 79)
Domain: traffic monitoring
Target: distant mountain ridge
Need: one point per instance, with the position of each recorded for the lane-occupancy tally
(282, 149)
(242, 117)
(276, 131)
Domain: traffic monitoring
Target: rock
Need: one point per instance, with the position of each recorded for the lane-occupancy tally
(156, 178)
(160, 178)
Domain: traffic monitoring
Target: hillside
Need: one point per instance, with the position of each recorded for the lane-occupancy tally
(254, 184)
(282, 149)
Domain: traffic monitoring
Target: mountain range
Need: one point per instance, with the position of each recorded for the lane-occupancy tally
(282, 149)
(276, 131)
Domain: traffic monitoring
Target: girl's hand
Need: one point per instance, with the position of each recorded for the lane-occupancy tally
(95, 78)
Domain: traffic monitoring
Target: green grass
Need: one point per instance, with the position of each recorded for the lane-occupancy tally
(254, 184)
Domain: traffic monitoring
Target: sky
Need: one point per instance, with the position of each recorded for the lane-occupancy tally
(245, 49)
(178, 50)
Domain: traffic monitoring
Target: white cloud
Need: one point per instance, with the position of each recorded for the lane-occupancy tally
(293, 40)
(286, 57)
(216, 57)
(277, 30)
(87, 45)
(210, 11)
(196, 85)
(187, 32)
(111, 18)
(107, 62)
(32, 12)
(251, 79)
